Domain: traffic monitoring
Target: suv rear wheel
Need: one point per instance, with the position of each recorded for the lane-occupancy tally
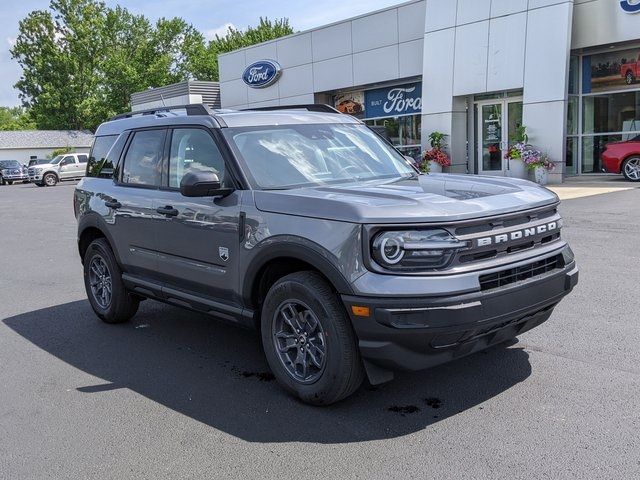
(103, 283)
(50, 179)
(308, 340)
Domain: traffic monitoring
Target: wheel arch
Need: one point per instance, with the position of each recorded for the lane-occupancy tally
(91, 227)
(280, 260)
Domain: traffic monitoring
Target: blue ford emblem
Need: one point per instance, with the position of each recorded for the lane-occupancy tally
(630, 6)
(261, 74)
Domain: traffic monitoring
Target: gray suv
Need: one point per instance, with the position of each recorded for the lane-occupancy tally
(308, 226)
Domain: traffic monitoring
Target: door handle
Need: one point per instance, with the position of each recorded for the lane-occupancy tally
(113, 203)
(167, 210)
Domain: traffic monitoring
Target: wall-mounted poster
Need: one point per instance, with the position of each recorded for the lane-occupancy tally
(611, 71)
(351, 103)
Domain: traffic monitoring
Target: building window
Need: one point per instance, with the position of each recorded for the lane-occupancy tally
(604, 105)
(403, 132)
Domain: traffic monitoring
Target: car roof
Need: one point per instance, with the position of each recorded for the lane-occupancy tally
(223, 119)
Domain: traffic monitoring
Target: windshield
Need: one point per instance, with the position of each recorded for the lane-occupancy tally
(56, 160)
(288, 156)
(10, 164)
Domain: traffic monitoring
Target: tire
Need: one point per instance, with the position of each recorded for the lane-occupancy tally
(340, 372)
(50, 179)
(10, 182)
(121, 305)
(39, 184)
(2, 181)
(629, 78)
(631, 169)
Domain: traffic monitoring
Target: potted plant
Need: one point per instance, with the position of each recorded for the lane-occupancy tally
(539, 163)
(434, 159)
(515, 166)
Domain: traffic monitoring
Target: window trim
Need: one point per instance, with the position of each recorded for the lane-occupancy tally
(119, 169)
(167, 157)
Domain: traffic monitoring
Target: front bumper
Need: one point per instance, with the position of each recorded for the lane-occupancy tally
(16, 178)
(418, 333)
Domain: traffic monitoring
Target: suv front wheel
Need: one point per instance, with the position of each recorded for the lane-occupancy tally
(109, 298)
(308, 340)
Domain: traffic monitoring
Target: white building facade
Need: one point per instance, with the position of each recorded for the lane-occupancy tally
(475, 70)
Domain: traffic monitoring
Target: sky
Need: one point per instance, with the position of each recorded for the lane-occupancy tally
(208, 16)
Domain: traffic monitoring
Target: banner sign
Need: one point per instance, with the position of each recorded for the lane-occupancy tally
(394, 101)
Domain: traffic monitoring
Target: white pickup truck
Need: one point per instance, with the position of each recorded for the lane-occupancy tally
(70, 166)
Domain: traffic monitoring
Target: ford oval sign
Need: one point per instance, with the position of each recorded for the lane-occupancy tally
(261, 74)
(630, 6)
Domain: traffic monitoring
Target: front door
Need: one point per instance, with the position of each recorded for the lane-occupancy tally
(198, 239)
(498, 121)
(68, 168)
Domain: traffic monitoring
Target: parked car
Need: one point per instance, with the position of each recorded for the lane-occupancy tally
(312, 229)
(38, 161)
(630, 71)
(623, 157)
(11, 171)
(70, 166)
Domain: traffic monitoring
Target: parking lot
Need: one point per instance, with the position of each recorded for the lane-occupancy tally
(176, 394)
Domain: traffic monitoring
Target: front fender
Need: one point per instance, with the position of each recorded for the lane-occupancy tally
(299, 249)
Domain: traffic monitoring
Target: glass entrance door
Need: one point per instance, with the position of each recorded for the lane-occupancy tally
(498, 121)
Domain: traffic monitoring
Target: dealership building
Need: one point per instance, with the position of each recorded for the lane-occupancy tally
(476, 70)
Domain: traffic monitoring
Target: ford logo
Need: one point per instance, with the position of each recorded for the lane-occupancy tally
(630, 6)
(261, 74)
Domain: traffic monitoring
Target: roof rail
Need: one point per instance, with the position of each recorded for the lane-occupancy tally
(191, 109)
(310, 107)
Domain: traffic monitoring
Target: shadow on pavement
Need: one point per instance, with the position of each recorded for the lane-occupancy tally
(217, 374)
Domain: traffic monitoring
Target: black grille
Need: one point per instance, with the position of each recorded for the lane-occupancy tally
(518, 274)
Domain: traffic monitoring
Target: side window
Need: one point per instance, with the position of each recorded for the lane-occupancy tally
(82, 158)
(98, 165)
(68, 160)
(193, 149)
(143, 161)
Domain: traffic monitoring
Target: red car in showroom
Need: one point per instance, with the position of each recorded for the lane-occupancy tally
(623, 157)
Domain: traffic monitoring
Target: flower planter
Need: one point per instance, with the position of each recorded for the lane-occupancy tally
(541, 175)
(435, 167)
(517, 169)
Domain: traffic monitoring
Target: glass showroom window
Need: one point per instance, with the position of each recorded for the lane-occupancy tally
(403, 132)
(609, 104)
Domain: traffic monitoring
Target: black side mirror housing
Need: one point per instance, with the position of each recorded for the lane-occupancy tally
(202, 184)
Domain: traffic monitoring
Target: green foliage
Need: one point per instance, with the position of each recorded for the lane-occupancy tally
(436, 139)
(61, 151)
(520, 136)
(15, 118)
(81, 60)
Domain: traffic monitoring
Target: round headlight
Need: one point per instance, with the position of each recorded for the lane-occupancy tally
(415, 250)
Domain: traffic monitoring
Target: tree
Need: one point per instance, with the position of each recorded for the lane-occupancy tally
(82, 60)
(15, 118)
(203, 62)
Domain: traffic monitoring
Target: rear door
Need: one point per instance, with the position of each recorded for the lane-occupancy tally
(130, 200)
(197, 238)
(81, 165)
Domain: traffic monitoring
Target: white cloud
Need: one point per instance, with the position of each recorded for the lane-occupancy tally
(11, 41)
(220, 31)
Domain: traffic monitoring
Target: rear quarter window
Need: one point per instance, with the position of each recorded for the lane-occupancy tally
(101, 164)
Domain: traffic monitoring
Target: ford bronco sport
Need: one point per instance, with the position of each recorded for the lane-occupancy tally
(303, 223)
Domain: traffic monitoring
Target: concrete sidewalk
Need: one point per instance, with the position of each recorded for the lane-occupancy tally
(586, 186)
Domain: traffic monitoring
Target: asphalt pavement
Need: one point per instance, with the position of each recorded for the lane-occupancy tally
(176, 394)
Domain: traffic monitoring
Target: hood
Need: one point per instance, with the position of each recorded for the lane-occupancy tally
(429, 198)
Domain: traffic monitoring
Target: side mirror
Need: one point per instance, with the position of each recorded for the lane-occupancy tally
(202, 184)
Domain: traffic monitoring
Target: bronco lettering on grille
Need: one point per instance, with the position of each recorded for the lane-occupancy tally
(517, 234)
